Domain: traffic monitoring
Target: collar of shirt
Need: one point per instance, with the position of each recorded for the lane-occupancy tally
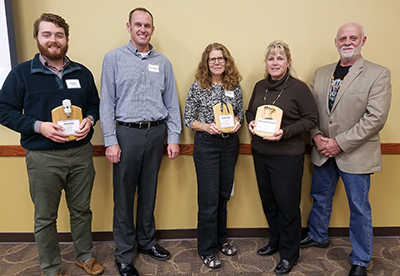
(53, 69)
(136, 52)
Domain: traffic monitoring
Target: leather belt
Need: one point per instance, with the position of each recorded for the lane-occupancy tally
(223, 135)
(142, 124)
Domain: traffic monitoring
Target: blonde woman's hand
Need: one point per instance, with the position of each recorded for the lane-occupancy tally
(252, 125)
(277, 136)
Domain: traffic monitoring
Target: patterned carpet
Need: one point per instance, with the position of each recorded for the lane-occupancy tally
(22, 259)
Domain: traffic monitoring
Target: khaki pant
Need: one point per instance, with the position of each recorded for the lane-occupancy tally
(50, 172)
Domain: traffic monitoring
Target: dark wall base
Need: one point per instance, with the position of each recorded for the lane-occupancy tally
(191, 234)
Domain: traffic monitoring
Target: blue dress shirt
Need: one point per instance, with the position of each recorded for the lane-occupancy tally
(138, 89)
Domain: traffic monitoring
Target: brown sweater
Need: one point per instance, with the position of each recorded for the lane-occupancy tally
(299, 114)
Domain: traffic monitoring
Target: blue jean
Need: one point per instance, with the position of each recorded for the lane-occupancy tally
(357, 187)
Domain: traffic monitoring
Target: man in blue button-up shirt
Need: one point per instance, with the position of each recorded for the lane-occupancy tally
(138, 104)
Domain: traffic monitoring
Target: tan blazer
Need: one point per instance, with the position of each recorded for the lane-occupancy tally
(360, 111)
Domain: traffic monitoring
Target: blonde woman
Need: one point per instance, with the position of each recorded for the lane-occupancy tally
(278, 160)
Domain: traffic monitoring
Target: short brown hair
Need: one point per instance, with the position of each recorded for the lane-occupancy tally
(50, 17)
(143, 10)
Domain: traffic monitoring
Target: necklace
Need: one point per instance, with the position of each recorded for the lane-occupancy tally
(279, 95)
(334, 89)
(340, 84)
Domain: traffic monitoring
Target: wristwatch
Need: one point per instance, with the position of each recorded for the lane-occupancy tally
(91, 119)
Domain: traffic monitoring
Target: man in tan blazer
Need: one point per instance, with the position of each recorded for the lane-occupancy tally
(353, 98)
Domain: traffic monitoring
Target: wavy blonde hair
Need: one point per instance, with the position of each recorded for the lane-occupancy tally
(281, 47)
(231, 76)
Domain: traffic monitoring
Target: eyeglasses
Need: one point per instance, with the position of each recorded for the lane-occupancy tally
(220, 60)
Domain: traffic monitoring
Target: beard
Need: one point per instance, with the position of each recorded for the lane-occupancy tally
(356, 51)
(53, 55)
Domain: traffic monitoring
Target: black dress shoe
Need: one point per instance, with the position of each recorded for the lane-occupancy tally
(358, 270)
(126, 269)
(284, 266)
(266, 250)
(309, 242)
(157, 252)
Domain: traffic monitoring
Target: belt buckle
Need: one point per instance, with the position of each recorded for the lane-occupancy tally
(142, 124)
(224, 135)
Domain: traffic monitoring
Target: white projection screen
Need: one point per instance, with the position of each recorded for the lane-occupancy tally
(8, 51)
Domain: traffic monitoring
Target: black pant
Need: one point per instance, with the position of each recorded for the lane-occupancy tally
(279, 183)
(215, 159)
(141, 154)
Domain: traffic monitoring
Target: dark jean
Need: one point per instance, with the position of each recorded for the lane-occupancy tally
(325, 179)
(215, 159)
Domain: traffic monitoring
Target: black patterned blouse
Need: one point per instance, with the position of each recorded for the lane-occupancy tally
(200, 102)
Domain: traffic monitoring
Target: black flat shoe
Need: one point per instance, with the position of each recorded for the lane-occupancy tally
(284, 266)
(309, 242)
(157, 252)
(126, 269)
(358, 270)
(266, 250)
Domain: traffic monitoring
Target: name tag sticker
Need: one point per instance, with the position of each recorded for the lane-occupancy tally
(230, 94)
(73, 84)
(154, 68)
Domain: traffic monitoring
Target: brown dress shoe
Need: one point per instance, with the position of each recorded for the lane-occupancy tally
(92, 267)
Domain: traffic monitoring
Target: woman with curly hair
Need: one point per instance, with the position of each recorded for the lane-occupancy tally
(215, 153)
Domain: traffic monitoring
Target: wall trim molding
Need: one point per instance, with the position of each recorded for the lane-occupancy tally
(186, 149)
(181, 234)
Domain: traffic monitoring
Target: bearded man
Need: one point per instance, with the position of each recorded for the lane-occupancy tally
(353, 98)
(29, 94)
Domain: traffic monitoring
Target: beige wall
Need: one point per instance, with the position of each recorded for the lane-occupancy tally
(183, 29)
